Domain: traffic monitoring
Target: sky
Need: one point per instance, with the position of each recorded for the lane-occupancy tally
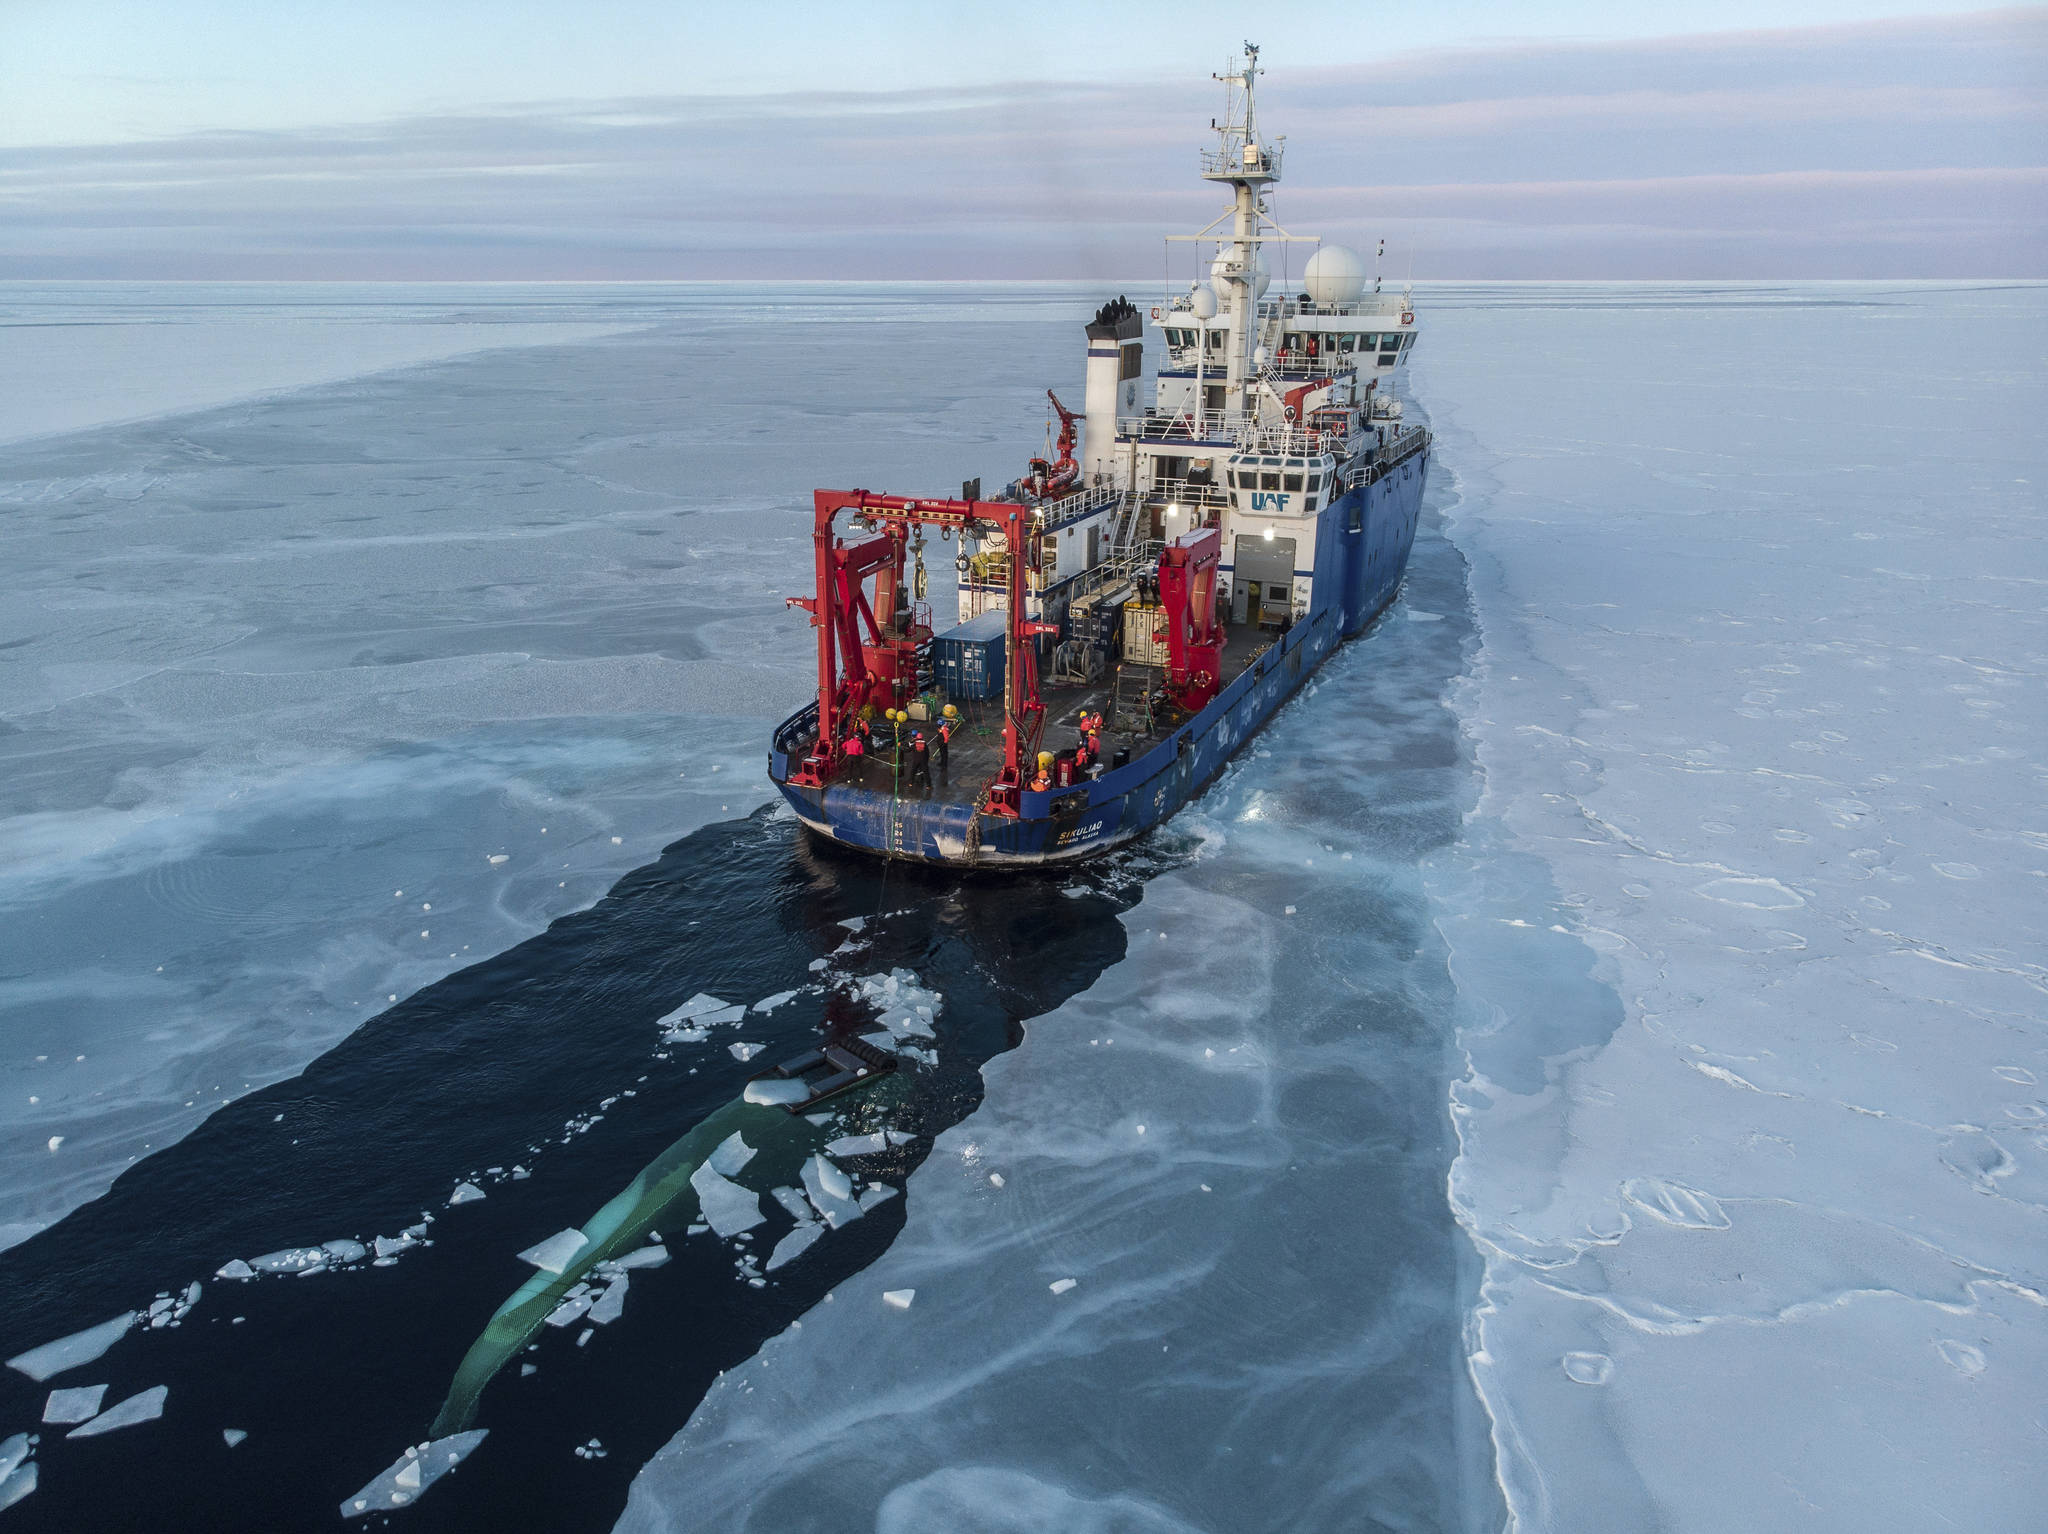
(625, 139)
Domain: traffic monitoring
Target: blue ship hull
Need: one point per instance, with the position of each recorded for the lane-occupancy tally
(1363, 541)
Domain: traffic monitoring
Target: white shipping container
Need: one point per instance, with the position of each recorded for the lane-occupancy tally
(1145, 634)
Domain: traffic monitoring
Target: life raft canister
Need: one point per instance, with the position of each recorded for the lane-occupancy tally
(1408, 317)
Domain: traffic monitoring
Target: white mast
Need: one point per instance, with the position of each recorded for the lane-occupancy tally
(1246, 164)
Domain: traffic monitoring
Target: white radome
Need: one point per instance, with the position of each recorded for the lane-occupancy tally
(1203, 301)
(1334, 275)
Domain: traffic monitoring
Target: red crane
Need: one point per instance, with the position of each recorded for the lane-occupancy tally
(1047, 481)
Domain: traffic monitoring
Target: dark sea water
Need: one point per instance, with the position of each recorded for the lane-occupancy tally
(333, 1375)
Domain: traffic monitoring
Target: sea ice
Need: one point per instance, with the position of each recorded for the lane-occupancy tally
(236, 1268)
(794, 1244)
(143, 1406)
(771, 1092)
(413, 1472)
(18, 1484)
(831, 1191)
(744, 1052)
(293, 1259)
(465, 1193)
(610, 1305)
(71, 1352)
(233, 1436)
(857, 1145)
(732, 1154)
(1062, 1285)
(643, 1257)
(80, 1403)
(556, 1253)
(13, 1450)
(728, 1208)
(572, 1309)
(898, 1299)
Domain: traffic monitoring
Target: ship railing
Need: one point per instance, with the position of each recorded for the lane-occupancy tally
(1382, 460)
(1293, 441)
(1080, 504)
(798, 730)
(1181, 492)
(1253, 160)
(1181, 427)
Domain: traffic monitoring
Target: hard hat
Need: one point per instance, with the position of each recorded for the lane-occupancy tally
(951, 712)
(1045, 758)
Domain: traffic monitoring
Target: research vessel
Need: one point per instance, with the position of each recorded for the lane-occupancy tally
(1125, 619)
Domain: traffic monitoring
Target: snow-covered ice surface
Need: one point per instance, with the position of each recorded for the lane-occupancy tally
(1748, 925)
(310, 700)
(75, 355)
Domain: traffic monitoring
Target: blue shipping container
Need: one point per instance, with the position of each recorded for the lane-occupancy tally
(969, 659)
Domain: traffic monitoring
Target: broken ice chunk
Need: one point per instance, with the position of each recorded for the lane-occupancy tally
(1062, 1285)
(770, 1003)
(465, 1193)
(385, 1246)
(571, 1310)
(344, 1251)
(799, 1208)
(877, 1193)
(856, 1145)
(645, 1257)
(700, 1005)
(19, 1483)
(775, 1094)
(143, 1406)
(898, 1136)
(795, 1244)
(237, 1269)
(556, 1253)
(832, 1179)
(12, 1452)
(293, 1259)
(611, 1304)
(415, 1470)
(81, 1403)
(899, 1298)
(232, 1436)
(733, 1153)
(728, 1208)
(743, 1051)
(834, 1200)
(70, 1352)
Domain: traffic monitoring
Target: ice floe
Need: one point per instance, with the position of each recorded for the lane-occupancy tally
(465, 1193)
(143, 1406)
(71, 1352)
(412, 1473)
(79, 1403)
(794, 1244)
(728, 1208)
(556, 1253)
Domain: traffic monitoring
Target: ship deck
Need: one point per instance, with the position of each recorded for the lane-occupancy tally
(976, 752)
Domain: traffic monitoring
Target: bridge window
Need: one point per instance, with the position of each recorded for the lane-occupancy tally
(1346, 343)
(1315, 483)
(1272, 480)
(1291, 482)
